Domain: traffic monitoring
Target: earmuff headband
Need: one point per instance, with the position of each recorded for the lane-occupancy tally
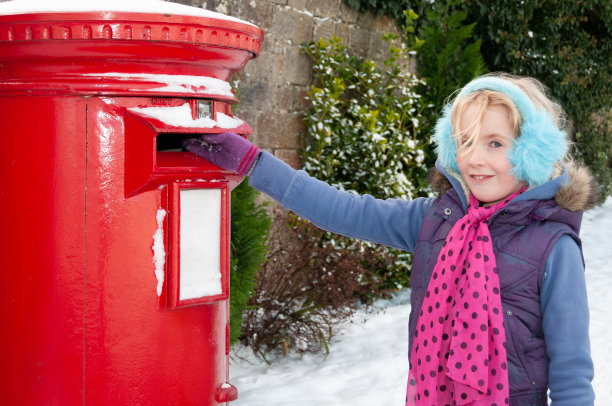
(538, 147)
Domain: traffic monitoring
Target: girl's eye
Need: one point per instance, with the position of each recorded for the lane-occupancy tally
(495, 144)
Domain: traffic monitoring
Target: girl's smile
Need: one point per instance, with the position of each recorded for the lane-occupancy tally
(483, 162)
(478, 178)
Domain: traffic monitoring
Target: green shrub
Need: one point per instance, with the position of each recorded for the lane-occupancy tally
(595, 140)
(448, 58)
(363, 132)
(307, 288)
(393, 8)
(363, 126)
(249, 225)
(567, 45)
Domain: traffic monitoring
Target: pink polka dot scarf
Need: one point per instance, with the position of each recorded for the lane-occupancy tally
(458, 353)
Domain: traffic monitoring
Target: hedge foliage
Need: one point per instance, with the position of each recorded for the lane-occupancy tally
(566, 44)
(448, 58)
(393, 8)
(249, 231)
(364, 132)
(363, 124)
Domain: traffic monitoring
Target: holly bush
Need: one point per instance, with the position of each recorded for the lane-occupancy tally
(362, 130)
(364, 133)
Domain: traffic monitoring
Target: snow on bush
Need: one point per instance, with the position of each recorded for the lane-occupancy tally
(363, 126)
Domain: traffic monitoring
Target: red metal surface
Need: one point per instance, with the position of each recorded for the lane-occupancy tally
(81, 181)
(70, 46)
(42, 205)
(226, 393)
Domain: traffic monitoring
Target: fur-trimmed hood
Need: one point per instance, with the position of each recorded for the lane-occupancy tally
(573, 188)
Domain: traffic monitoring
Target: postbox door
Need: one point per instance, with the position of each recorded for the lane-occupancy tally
(199, 243)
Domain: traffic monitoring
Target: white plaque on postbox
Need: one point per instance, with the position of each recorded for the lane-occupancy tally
(200, 241)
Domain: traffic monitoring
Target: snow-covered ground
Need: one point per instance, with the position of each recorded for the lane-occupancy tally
(368, 362)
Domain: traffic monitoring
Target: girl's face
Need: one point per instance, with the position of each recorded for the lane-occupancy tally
(486, 168)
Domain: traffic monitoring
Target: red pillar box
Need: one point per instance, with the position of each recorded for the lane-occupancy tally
(114, 287)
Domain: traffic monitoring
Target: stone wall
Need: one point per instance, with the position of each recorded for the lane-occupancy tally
(272, 88)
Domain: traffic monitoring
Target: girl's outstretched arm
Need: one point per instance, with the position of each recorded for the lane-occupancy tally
(393, 222)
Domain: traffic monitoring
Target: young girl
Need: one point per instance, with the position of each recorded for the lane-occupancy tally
(499, 309)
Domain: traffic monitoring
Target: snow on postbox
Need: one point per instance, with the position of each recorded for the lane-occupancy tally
(114, 288)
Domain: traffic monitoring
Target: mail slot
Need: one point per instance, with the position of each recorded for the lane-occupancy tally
(115, 285)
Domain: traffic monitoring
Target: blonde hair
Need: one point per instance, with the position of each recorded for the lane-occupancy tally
(483, 99)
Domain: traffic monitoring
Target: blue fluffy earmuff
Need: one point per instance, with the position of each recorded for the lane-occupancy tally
(539, 145)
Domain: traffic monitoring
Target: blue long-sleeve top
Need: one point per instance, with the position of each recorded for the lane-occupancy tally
(397, 222)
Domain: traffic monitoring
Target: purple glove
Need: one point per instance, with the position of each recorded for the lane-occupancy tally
(226, 150)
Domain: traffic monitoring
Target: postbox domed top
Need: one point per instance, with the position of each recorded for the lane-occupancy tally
(138, 6)
(13, 7)
(74, 39)
(59, 14)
